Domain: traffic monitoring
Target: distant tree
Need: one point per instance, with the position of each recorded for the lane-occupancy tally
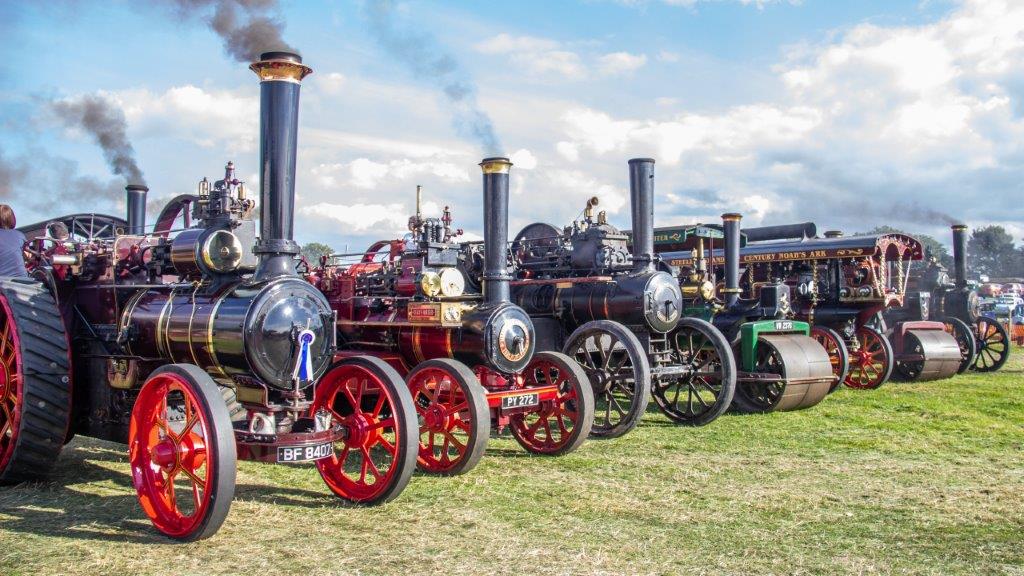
(990, 251)
(314, 250)
(932, 247)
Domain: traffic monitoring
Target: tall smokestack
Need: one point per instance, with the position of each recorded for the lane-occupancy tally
(731, 228)
(136, 208)
(960, 254)
(496, 276)
(281, 75)
(641, 193)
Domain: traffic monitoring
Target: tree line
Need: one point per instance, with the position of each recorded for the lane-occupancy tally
(991, 251)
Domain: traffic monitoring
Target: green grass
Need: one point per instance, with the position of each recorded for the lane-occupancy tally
(912, 478)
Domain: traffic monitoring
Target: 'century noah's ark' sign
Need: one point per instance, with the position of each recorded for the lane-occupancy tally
(786, 256)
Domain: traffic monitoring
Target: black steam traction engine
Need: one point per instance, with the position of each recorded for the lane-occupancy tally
(781, 366)
(198, 348)
(841, 285)
(933, 295)
(621, 318)
(406, 302)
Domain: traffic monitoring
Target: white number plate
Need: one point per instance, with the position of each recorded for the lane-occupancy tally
(520, 401)
(292, 454)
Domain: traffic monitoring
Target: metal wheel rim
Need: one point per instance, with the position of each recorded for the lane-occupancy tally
(700, 385)
(993, 347)
(437, 395)
(615, 392)
(364, 464)
(765, 395)
(868, 364)
(170, 441)
(550, 427)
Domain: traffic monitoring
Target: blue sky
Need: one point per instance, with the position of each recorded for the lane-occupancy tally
(852, 114)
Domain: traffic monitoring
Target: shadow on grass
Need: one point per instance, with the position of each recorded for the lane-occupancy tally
(85, 499)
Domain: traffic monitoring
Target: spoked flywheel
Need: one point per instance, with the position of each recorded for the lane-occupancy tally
(561, 425)
(706, 390)
(619, 372)
(375, 460)
(965, 340)
(838, 355)
(454, 419)
(993, 345)
(35, 385)
(181, 447)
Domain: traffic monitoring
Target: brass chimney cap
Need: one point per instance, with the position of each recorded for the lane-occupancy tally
(641, 160)
(280, 66)
(496, 165)
(141, 187)
(960, 227)
(732, 217)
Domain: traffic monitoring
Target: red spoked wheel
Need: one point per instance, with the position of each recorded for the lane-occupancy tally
(454, 419)
(181, 449)
(993, 345)
(560, 426)
(369, 400)
(838, 355)
(871, 362)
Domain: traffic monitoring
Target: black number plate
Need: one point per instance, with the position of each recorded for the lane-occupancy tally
(520, 401)
(292, 454)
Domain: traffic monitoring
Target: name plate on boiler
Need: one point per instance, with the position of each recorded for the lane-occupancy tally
(448, 314)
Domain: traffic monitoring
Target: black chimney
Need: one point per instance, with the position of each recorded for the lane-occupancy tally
(136, 208)
(731, 228)
(496, 276)
(960, 255)
(281, 75)
(641, 194)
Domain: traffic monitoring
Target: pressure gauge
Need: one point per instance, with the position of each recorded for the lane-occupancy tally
(707, 290)
(452, 282)
(430, 284)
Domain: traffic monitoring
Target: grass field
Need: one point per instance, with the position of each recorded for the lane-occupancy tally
(912, 478)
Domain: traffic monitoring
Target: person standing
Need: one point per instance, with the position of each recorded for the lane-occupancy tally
(12, 245)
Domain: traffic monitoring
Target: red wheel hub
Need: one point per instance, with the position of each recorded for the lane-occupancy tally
(442, 407)
(362, 433)
(436, 418)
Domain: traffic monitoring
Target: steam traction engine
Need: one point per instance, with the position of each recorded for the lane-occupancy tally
(198, 349)
(933, 295)
(620, 317)
(780, 366)
(468, 357)
(840, 285)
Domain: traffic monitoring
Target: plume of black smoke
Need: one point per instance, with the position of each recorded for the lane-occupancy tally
(247, 27)
(12, 174)
(913, 212)
(105, 122)
(23, 177)
(426, 60)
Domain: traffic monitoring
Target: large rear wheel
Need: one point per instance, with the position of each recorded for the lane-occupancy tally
(838, 355)
(707, 389)
(871, 360)
(619, 372)
(35, 384)
(561, 425)
(454, 419)
(965, 340)
(375, 460)
(993, 345)
(181, 448)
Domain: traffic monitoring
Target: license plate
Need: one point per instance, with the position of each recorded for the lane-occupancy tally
(292, 454)
(520, 401)
(783, 325)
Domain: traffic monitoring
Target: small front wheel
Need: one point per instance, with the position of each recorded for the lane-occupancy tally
(376, 458)
(181, 448)
(993, 345)
(454, 420)
(838, 355)
(560, 426)
(871, 361)
(706, 391)
(965, 341)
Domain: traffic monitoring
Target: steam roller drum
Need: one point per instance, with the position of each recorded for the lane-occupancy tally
(806, 367)
(940, 353)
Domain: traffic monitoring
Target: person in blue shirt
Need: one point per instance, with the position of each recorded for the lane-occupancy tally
(12, 245)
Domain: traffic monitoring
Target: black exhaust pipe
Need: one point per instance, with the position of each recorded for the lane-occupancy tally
(731, 230)
(800, 231)
(496, 277)
(136, 209)
(281, 75)
(960, 254)
(641, 194)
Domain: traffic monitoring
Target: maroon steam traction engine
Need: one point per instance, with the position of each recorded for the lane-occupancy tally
(841, 284)
(198, 348)
(933, 295)
(405, 302)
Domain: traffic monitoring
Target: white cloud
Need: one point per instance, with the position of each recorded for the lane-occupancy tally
(537, 56)
(390, 220)
(618, 63)
(523, 159)
(368, 174)
(219, 119)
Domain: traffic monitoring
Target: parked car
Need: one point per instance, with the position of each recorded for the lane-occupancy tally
(990, 290)
(1013, 288)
